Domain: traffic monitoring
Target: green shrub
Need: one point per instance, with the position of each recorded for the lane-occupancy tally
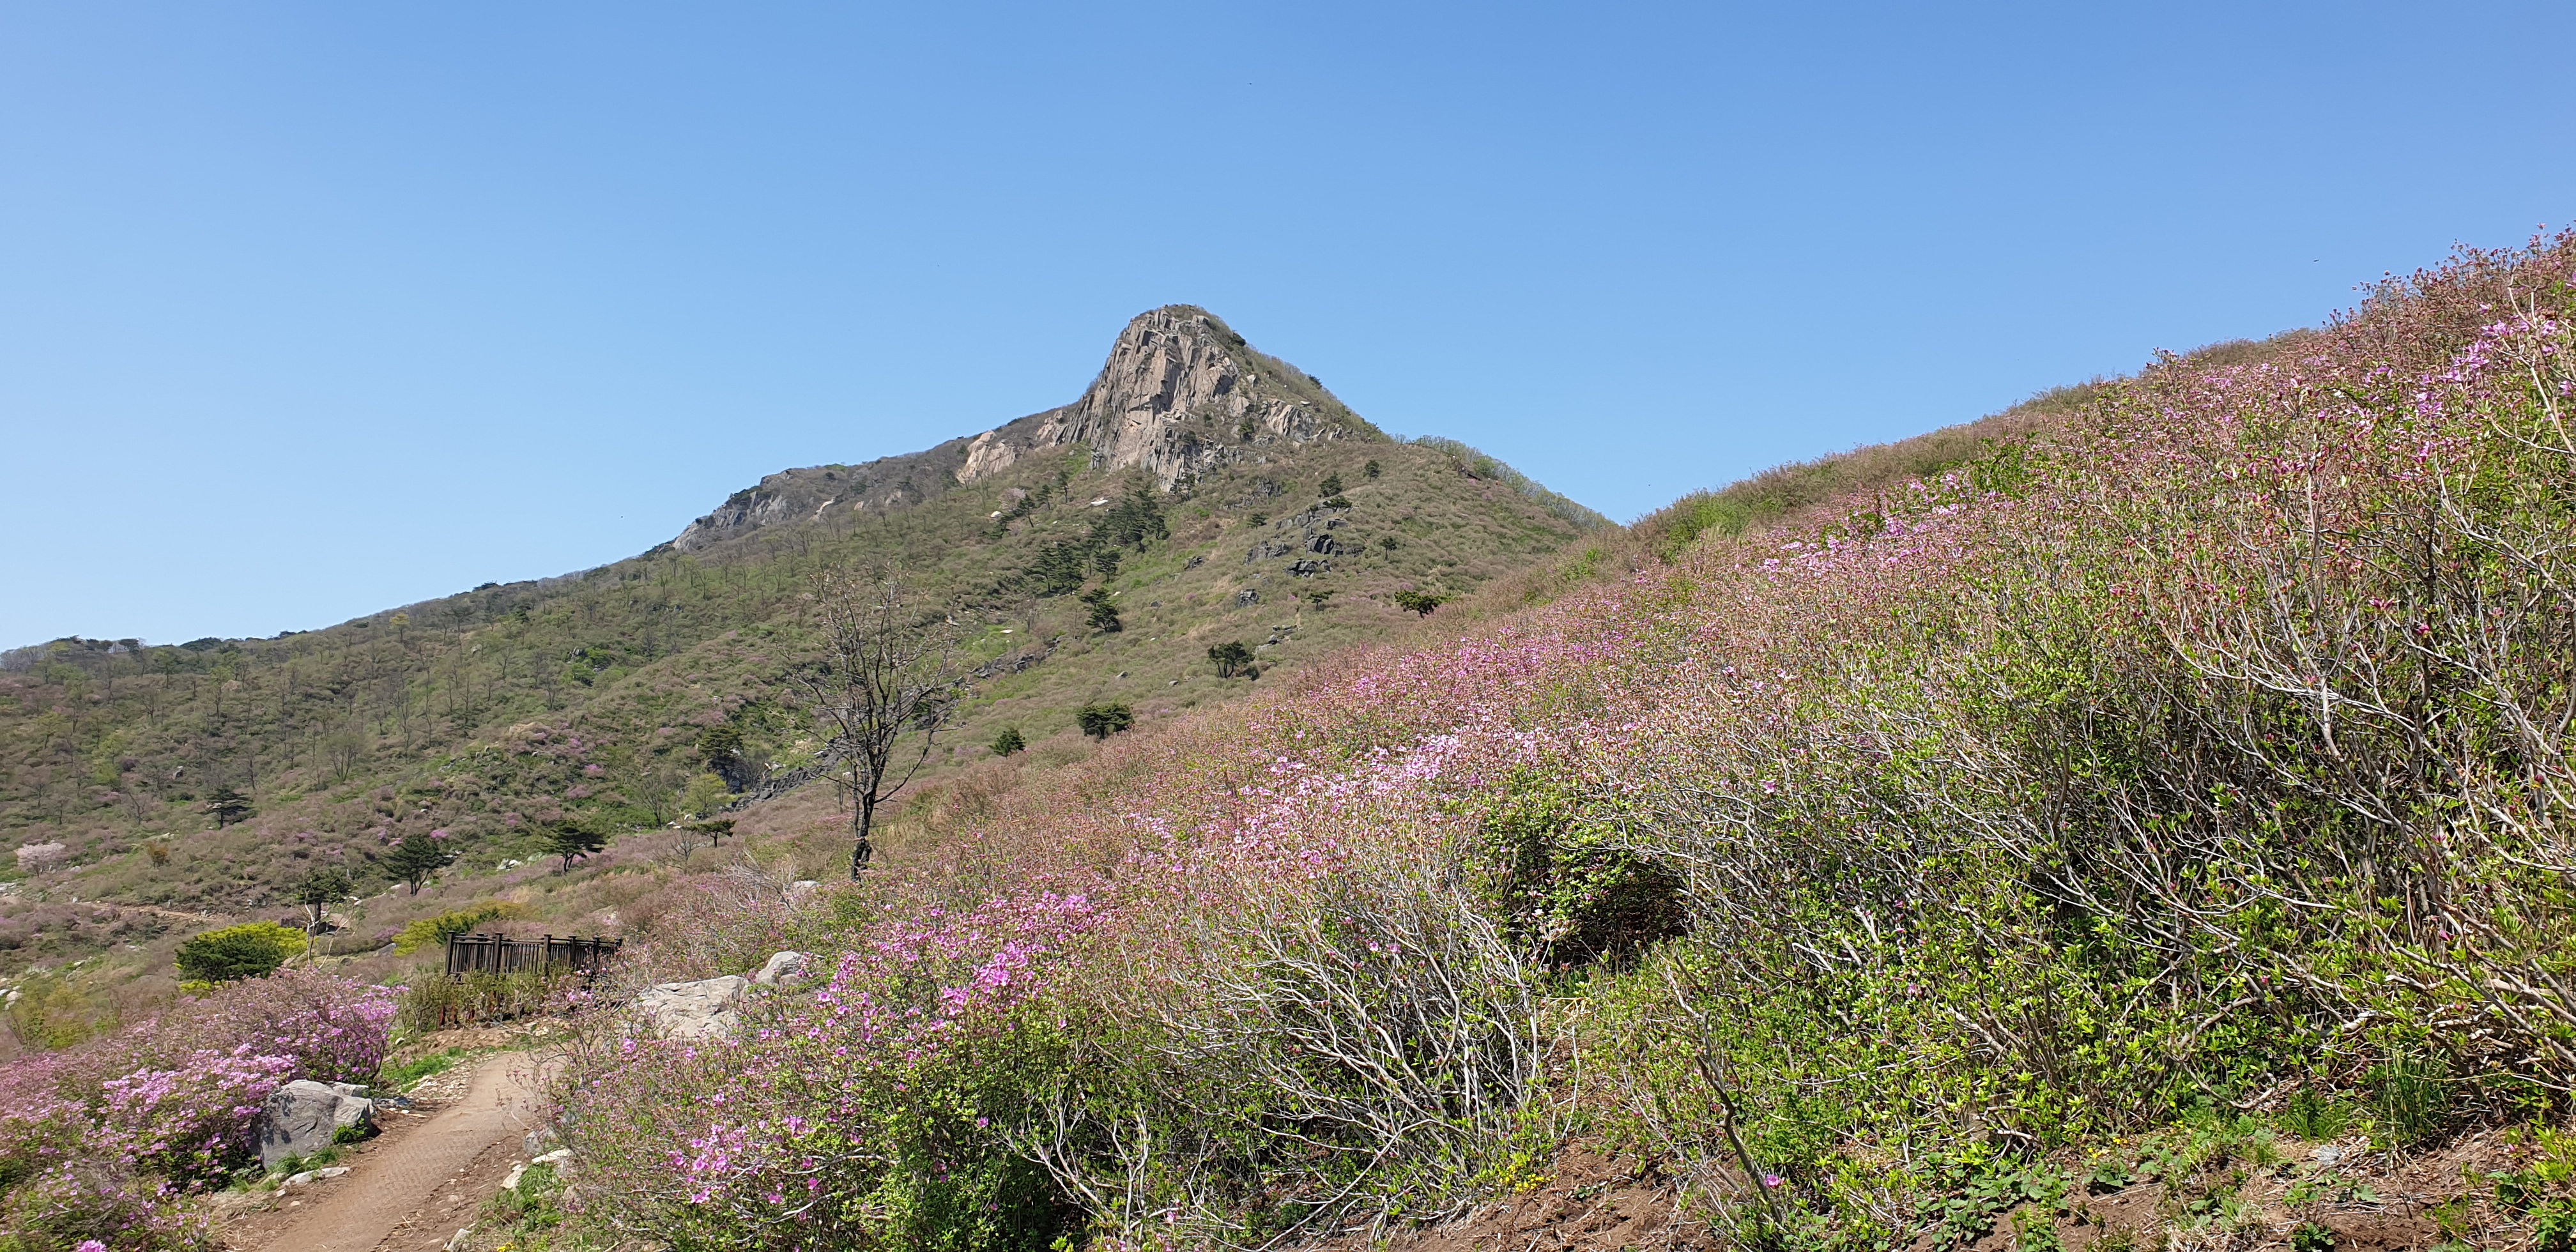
(531, 1208)
(244, 951)
(705, 796)
(423, 932)
(1100, 721)
(1555, 866)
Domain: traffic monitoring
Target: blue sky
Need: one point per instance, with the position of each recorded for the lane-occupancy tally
(311, 310)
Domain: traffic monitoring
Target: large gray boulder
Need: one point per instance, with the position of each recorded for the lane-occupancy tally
(303, 1117)
(705, 1009)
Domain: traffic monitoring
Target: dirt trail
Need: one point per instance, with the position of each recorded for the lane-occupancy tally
(420, 1182)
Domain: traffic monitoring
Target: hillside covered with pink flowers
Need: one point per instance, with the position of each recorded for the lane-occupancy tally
(2133, 834)
(2186, 779)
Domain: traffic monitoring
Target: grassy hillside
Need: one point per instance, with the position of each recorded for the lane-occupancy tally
(2146, 832)
(591, 697)
(2140, 823)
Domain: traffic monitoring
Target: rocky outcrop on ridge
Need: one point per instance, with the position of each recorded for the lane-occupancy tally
(812, 493)
(1180, 395)
(1307, 536)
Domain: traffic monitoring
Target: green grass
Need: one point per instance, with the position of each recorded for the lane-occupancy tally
(404, 1075)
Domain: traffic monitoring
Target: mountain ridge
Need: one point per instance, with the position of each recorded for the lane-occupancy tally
(1181, 394)
(1210, 494)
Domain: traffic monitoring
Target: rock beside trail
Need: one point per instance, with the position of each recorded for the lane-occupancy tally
(559, 1160)
(303, 1117)
(704, 1009)
(784, 965)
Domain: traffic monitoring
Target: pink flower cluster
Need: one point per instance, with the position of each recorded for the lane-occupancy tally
(176, 1098)
(751, 1130)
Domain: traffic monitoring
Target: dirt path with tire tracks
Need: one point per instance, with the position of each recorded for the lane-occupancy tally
(413, 1187)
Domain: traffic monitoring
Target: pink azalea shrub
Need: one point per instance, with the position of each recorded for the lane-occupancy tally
(125, 1123)
(862, 1112)
(2211, 744)
(80, 1205)
(190, 1123)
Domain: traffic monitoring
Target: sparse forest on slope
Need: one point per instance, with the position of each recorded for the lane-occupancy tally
(1199, 494)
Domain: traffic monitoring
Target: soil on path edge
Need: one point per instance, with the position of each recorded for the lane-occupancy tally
(414, 1186)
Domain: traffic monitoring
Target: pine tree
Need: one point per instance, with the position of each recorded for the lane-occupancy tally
(1231, 658)
(320, 889)
(1104, 615)
(416, 858)
(228, 806)
(1008, 742)
(721, 747)
(573, 840)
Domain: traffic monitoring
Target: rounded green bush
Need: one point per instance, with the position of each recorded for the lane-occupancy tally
(244, 951)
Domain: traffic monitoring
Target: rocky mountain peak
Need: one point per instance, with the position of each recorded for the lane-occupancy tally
(1180, 394)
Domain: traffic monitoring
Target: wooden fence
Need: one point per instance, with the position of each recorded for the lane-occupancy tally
(497, 954)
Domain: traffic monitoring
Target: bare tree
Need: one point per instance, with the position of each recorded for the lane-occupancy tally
(887, 678)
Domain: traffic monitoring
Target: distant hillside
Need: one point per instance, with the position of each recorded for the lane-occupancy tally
(1187, 482)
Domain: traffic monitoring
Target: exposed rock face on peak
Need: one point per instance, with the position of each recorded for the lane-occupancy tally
(1180, 395)
(807, 495)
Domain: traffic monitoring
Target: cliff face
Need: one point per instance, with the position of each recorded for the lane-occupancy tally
(1180, 395)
